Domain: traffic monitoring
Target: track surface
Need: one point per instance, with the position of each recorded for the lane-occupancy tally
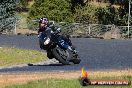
(96, 54)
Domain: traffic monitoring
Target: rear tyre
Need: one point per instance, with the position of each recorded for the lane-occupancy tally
(49, 54)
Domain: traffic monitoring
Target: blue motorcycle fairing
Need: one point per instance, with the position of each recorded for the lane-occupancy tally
(55, 38)
(62, 43)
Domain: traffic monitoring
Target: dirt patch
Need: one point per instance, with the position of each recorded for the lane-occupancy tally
(20, 78)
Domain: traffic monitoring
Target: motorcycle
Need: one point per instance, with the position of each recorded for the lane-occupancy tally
(60, 48)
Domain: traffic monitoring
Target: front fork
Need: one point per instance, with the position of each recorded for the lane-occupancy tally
(73, 51)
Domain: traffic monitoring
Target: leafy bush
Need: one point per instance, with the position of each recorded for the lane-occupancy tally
(61, 11)
(57, 10)
(106, 15)
(86, 14)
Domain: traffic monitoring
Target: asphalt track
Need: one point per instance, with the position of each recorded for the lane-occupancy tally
(96, 54)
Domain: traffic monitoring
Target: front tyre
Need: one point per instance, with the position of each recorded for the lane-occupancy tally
(61, 55)
(76, 61)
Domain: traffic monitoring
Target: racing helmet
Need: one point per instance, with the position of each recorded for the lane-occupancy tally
(44, 20)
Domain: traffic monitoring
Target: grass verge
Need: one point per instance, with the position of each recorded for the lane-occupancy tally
(14, 56)
(63, 83)
(45, 79)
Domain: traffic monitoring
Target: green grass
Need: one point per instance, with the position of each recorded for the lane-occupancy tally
(62, 83)
(14, 56)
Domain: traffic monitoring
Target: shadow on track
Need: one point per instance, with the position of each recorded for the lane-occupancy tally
(58, 64)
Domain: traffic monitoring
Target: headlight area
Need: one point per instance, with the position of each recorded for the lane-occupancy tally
(47, 41)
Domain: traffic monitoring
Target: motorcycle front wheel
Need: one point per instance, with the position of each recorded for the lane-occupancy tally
(65, 56)
(61, 55)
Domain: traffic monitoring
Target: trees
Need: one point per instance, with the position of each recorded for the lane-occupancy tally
(22, 6)
(78, 11)
(75, 3)
(86, 14)
(57, 10)
(107, 15)
(7, 14)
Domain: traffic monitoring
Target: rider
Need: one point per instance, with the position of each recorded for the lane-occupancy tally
(44, 26)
